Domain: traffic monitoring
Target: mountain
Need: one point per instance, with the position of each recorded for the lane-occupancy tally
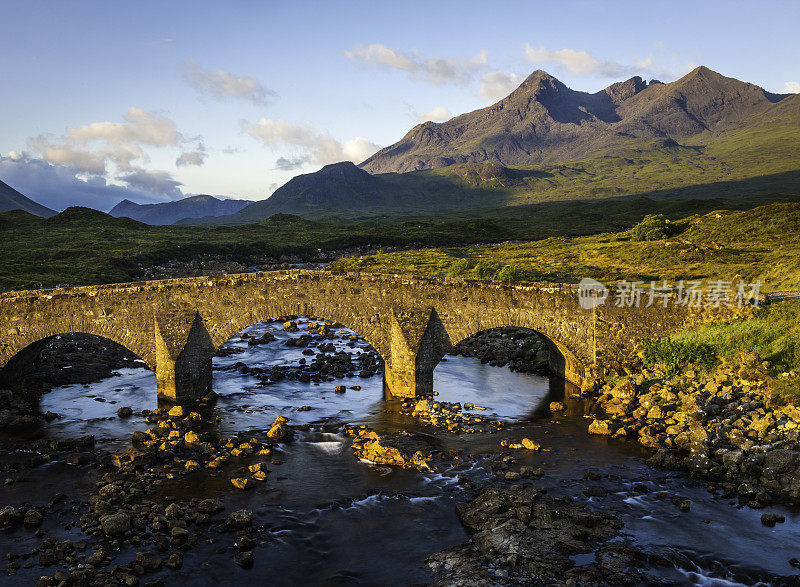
(702, 136)
(335, 187)
(11, 199)
(544, 121)
(171, 212)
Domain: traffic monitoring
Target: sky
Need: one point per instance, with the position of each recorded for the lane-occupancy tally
(154, 101)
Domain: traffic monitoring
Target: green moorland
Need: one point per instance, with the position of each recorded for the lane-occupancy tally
(82, 247)
(758, 244)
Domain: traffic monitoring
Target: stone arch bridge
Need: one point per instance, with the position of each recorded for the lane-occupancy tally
(176, 325)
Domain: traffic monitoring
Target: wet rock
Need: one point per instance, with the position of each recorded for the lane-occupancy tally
(596, 491)
(240, 519)
(242, 483)
(279, 431)
(9, 515)
(177, 412)
(558, 406)
(531, 444)
(403, 450)
(600, 427)
(244, 559)
(210, 506)
(770, 519)
(115, 524)
(33, 518)
(125, 412)
(174, 561)
(149, 560)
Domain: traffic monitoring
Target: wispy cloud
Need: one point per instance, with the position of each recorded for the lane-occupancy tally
(438, 114)
(791, 88)
(221, 85)
(192, 158)
(496, 85)
(312, 145)
(582, 63)
(435, 70)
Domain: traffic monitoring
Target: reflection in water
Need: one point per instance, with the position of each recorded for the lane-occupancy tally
(329, 513)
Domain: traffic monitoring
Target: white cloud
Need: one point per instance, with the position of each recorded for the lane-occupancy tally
(89, 148)
(194, 158)
(57, 187)
(791, 88)
(582, 63)
(435, 70)
(140, 127)
(313, 145)
(496, 85)
(220, 84)
(438, 114)
(357, 149)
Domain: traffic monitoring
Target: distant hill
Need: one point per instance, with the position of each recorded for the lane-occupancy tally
(702, 136)
(544, 121)
(171, 212)
(11, 199)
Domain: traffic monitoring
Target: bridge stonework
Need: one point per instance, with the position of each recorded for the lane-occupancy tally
(176, 325)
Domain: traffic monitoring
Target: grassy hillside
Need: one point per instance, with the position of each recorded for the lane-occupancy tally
(82, 246)
(749, 161)
(758, 244)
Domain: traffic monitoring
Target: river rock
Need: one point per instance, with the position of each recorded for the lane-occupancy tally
(33, 518)
(531, 444)
(9, 515)
(115, 524)
(770, 519)
(279, 430)
(404, 450)
(177, 412)
(210, 506)
(240, 519)
(242, 483)
(600, 427)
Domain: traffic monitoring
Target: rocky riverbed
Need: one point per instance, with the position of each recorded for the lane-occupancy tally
(723, 427)
(520, 349)
(298, 468)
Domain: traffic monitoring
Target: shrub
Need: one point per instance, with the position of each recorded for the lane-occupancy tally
(510, 273)
(457, 267)
(652, 228)
(485, 269)
(674, 355)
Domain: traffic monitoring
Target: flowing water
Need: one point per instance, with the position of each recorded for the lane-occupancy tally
(336, 520)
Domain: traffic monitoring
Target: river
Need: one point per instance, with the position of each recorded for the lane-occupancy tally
(332, 519)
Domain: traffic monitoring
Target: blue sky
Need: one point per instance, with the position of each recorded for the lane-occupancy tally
(153, 100)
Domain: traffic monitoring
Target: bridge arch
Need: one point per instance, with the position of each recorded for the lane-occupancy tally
(564, 359)
(28, 362)
(45, 331)
(242, 315)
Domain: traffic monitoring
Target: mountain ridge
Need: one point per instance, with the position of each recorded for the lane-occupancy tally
(172, 212)
(11, 199)
(544, 121)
